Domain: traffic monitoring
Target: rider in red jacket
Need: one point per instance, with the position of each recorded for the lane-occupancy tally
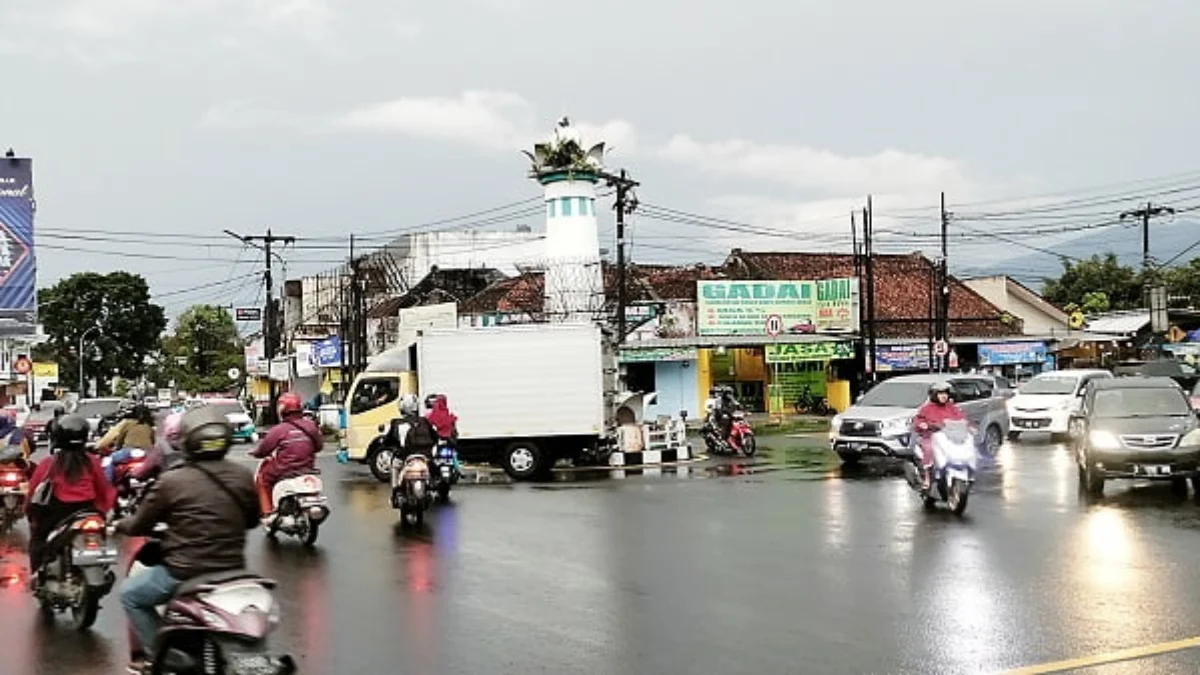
(930, 418)
(289, 449)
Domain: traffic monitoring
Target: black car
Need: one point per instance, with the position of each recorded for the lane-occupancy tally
(1137, 428)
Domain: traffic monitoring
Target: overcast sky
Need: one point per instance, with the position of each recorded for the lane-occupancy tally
(320, 118)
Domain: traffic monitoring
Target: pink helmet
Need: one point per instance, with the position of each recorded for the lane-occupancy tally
(171, 428)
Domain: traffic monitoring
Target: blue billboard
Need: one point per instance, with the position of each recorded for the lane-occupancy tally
(18, 268)
(1011, 353)
(892, 358)
(327, 353)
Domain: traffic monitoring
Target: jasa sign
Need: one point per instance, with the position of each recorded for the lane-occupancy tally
(795, 307)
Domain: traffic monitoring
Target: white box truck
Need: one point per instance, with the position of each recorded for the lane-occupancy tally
(525, 395)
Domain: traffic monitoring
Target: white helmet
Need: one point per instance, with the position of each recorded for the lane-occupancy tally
(409, 405)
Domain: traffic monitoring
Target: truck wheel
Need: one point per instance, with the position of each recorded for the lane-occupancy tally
(379, 459)
(523, 460)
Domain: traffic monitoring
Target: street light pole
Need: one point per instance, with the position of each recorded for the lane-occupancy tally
(82, 337)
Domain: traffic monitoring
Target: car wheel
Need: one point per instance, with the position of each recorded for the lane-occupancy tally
(992, 440)
(1179, 487)
(1093, 482)
(1196, 488)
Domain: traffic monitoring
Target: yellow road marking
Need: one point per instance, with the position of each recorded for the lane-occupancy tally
(1111, 657)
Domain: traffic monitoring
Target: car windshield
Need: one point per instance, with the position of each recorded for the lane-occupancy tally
(96, 408)
(229, 407)
(1050, 385)
(897, 395)
(1140, 402)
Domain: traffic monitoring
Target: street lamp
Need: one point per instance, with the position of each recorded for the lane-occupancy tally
(87, 332)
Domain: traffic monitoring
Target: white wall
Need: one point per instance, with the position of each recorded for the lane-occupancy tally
(417, 254)
(1036, 320)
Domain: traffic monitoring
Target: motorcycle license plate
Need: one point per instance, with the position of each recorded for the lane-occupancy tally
(1154, 469)
(446, 471)
(99, 556)
(255, 664)
(957, 474)
(312, 501)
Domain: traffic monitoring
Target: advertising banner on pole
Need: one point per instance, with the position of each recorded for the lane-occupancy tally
(18, 268)
(763, 308)
(1011, 353)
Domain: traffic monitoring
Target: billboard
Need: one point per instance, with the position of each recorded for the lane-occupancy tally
(892, 358)
(18, 269)
(758, 308)
(809, 351)
(1011, 353)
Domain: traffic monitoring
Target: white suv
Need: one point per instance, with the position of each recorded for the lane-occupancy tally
(1045, 402)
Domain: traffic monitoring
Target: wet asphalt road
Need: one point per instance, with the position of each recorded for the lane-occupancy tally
(790, 565)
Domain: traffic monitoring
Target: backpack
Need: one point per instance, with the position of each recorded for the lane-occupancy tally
(421, 436)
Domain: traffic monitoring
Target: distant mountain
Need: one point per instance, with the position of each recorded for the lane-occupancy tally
(1169, 240)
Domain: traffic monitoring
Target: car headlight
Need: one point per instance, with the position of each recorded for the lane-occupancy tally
(1191, 438)
(835, 424)
(1104, 440)
(895, 427)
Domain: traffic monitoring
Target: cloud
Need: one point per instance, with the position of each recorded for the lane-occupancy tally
(496, 120)
(822, 171)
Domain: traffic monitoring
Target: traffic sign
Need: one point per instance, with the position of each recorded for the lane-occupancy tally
(233, 373)
(941, 348)
(1076, 320)
(22, 365)
(774, 325)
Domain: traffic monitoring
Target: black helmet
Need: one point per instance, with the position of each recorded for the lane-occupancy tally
(71, 432)
(205, 433)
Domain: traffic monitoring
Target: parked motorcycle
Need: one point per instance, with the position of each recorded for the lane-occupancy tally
(300, 507)
(741, 436)
(447, 470)
(77, 569)
(955, 460)
(14, 488)
(412, 493)
(216, 624)
(809, 403)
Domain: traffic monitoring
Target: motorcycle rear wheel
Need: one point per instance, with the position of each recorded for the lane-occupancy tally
(84, 614)
(957, 499)
(310, 537)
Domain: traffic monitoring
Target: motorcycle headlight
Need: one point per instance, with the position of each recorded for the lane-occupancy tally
(1104, 440)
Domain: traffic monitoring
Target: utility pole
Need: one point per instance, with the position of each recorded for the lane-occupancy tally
(854, 257)
(1153, 295)
(943, 289)
(269, 337)
(869, 251)
(625, 204)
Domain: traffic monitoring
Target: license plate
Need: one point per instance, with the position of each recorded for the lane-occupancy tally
(313, 501)
(1154, 469)
(856, 446)
(446, 471)
(254, 664)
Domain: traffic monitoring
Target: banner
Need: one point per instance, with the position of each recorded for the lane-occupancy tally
(902, 357)
(652, 354)
(305, 357)
(44, 370)
(1011, 353)
(756, 308)
(809, 351)
(18, 268)
(255, 363)
(327, 353)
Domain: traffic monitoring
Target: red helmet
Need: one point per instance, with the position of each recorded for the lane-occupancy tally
(289, 403)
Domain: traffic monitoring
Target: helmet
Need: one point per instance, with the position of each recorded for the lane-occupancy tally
(938, 388)
(171, 429)
(409, 405)
(71, 432)
(289, 403)
(205, 433)
(429, 401)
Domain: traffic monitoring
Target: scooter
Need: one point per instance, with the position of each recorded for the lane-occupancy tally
(14, 488)
(77, 569)
(411, 491)
(216, 624)
(447, 471)
(300, 507)
(955, 461)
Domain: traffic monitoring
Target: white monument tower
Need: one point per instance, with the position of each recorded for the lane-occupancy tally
(574, 280)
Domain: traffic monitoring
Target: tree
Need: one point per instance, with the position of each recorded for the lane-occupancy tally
(1183, 283)
(125, 326)
(1095, 285)
(204, 346)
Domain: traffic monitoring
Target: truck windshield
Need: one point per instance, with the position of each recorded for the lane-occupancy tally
(1140, 402)
(897, 395)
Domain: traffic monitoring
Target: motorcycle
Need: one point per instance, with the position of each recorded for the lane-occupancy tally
(447, 471)
(300, 507)
(411, 492)
(14, 488)
(809, 403)
(77, 569)
(130, 488)
(216, 624)
(741, 436)
(955, 460)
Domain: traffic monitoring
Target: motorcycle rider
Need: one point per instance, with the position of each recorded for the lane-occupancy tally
(289, 449)
(135, 431)
(443, 421)
(207, 503)
(77, 483)
(931, 418)
(166, 446)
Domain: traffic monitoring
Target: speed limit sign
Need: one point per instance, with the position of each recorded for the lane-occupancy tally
(774, 325)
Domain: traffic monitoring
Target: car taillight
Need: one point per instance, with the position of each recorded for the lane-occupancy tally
(10, 478)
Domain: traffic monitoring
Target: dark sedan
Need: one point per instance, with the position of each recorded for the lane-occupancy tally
(1136, 428)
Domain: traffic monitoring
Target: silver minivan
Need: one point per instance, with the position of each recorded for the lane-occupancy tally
(879, 424)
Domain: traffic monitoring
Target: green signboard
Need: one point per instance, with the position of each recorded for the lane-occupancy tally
(775, 307)
(658, 354)
(809, 351)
